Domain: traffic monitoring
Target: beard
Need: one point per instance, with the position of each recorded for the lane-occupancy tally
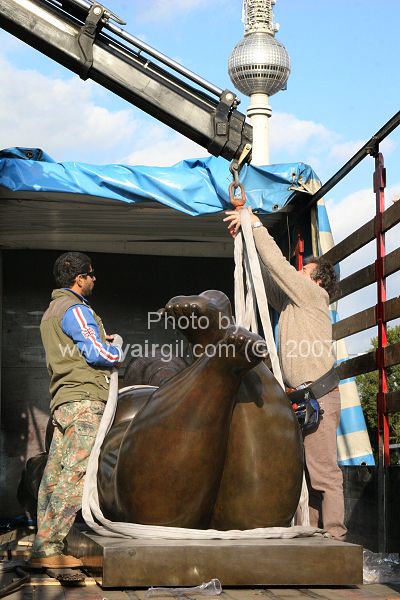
(88, 290)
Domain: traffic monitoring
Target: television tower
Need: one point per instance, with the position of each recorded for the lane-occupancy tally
(259, 66)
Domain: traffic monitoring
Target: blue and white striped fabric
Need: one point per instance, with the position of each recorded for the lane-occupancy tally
(354, 447)
(80, 325)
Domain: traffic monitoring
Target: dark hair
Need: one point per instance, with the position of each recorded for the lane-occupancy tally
(324, 271)
(68, 266)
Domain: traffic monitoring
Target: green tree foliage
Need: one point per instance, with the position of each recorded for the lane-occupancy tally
(368, 387)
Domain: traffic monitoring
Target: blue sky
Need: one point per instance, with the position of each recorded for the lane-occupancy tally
(343, 87)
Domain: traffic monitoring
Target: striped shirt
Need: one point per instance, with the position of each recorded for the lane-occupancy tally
(79, 324)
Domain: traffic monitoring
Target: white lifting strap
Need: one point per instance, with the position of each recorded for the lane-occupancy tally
(244, 304)
(245, 315)
(95, 519)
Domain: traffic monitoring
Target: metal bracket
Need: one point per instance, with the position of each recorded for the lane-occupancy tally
(86, 37)
(97, 16)
(227, 103)
(373, 146)
(234, 167)
(237, 164)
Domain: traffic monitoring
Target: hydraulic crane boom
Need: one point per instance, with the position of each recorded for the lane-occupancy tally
(73, 32)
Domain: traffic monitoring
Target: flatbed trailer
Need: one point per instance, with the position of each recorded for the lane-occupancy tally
(46, 586)
(43, 587)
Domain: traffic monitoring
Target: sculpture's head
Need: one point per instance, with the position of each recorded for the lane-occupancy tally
(220, 300)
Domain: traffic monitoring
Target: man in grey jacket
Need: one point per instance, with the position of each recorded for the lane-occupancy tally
(305, 349)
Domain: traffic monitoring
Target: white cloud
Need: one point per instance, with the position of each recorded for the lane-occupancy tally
(65, 118)
(355, 209)
(388, 146)
(342, 152)
(300, 140)
(60, 116)
(293, 136)
(350, 212)
(161, 146)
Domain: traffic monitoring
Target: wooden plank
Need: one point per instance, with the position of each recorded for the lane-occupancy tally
(391, 216)
(367, 362)
(392, 355)
(379, 590)
(82, 243)
(393, 402)
(363, 235)
(365, 276)
(353, 242)
(354, 282)
(357, 365)
(365, 319)
(391, 262)
(392, 309)
(358, 322)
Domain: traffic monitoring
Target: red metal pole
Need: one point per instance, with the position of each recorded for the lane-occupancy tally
(299, 251)
(383, 422)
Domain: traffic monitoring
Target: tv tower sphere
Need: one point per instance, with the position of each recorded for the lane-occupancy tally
(259, 63)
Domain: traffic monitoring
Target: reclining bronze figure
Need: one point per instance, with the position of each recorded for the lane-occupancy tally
(216, 445)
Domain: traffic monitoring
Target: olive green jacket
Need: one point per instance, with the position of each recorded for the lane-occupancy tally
(72, 378)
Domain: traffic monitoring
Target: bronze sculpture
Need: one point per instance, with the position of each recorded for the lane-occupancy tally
(218, 445)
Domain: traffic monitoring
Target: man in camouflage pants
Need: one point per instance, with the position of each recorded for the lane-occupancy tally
(79, 358)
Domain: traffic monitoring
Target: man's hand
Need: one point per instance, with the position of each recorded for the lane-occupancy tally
(233, 220)
(115, 339)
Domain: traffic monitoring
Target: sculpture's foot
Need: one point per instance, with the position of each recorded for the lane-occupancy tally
(246, 349)
(199, 318)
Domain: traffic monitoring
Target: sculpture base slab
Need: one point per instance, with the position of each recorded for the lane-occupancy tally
(115, 562)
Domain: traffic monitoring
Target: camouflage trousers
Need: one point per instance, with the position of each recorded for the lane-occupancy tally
(61, 488)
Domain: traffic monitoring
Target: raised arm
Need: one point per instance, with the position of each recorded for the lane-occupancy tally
(275, 296)
(288, 280)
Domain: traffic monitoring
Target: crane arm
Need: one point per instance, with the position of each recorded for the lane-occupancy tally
(82, 37)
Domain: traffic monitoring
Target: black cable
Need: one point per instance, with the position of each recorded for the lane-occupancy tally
(289, 241)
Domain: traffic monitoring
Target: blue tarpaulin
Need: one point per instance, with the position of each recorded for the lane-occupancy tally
(196, 186)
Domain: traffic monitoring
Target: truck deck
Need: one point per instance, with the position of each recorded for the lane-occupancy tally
(43, 587)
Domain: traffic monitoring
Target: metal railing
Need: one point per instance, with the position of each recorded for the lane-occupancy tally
(378, 315)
